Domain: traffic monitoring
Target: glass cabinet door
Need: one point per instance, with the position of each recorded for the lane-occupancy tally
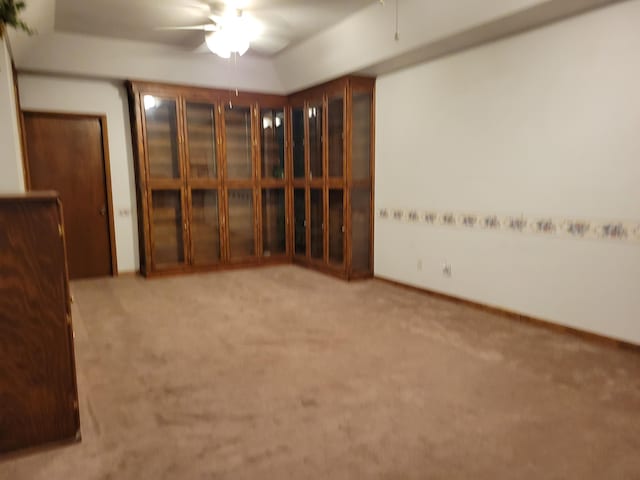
(161, 121)
(205, 227)
(361, 136)
(274, 231)
(297, 129)
(167, 241)
(336, 226)
(315, 140)
(300, 222)
(272, 143)
(335, 121)
(238, 142)
(201, 138)
(360, 230)
(241, 224)
(317, 225)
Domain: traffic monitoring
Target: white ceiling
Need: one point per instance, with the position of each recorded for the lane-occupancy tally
(285, 22)
(118, 39)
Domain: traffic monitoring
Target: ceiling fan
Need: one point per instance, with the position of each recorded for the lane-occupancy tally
(231, 26)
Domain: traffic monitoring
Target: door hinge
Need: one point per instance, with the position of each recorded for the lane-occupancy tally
(60, 230)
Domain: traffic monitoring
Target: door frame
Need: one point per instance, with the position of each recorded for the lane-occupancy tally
(102, 118)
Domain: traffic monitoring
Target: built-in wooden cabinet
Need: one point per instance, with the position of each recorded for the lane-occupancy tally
(211, 171)
(332, 153)
(231, 179)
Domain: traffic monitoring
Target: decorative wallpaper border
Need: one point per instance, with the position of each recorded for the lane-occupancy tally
(541, 225)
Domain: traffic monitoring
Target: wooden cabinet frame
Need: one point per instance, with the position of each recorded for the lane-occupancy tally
(218, 99)
(250, 183)
(359, 85)
(206, 184)
(319, 96)
(267, 183)
(345, 88)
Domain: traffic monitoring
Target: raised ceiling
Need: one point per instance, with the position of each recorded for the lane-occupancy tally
(363, 42)
(285, 22)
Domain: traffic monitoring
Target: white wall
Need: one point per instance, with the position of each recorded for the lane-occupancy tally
(11, 173)
(545, 124)
(57, 94)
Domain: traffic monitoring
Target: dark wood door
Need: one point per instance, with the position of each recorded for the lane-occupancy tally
(66, 153)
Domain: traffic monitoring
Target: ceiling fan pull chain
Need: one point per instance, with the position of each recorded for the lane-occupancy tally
(397, 34)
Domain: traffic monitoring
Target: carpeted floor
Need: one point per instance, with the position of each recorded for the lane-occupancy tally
(283, 373)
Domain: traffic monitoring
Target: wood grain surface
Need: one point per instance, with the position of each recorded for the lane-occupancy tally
(66, 153)
(38, 394)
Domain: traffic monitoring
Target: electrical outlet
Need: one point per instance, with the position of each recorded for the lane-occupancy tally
(446, 270)
(419, 265)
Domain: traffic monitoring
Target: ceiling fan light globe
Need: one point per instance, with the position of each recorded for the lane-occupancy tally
(216, 42)
(230, 38)
(242, 52)
(238, 43)
(223, 53)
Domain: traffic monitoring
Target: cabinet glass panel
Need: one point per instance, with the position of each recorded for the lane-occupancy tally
(201, 135)
(161, 120)
(317, 226)
(297, 128)
(274, 233)
(238, 142)
(205, 227)
(335, 121)
(241, 223)
(300, 223)
(361, 136)
(167, 227)
(272, 143)
(360, 230)
(315, 140)
(336, 226)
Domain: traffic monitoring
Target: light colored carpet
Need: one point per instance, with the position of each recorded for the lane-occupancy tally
(284, 373)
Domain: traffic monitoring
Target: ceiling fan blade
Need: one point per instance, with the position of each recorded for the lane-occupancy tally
(261, 5)
(207, 27)
(219, 7)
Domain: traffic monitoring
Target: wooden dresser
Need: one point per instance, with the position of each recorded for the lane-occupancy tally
(38, 392)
